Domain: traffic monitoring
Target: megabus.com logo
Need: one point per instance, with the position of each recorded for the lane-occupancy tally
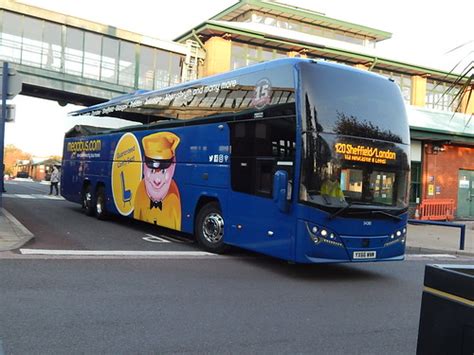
(85, 146)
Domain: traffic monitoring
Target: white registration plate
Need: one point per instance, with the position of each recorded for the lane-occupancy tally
(364, 255)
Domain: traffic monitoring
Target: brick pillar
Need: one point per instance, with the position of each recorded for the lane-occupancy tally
(218, 51)
(418, 90)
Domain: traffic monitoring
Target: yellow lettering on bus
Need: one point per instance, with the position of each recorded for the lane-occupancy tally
(364, 153)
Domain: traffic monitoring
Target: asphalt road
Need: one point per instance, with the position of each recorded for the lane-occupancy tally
(218, 306)
(242, 303)
(60, 224)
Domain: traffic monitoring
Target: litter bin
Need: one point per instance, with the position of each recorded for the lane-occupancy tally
(447, 310)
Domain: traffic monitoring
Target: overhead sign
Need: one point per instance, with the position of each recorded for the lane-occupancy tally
(14, 83)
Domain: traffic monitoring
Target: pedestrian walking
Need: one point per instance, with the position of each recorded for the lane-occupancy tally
(55, 176)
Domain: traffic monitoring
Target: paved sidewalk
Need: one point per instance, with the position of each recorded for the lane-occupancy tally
(13, 234)
(438, 239)
(421, 238)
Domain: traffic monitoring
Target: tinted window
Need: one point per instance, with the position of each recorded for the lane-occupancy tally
(175, 68)
(127, 64)
(10, 46)
(147, 66)
(109, 68)
(338, 171)
(162, 69)
(52, 53)
(32, 42)
(92, 53)
(74, 52)
(259, 148)
(354, 103)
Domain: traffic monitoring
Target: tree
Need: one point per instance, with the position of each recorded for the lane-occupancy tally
(11, 155)
(464, 80)
(55, 157)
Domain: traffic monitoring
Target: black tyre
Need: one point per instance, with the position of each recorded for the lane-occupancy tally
(100, 200)
(209, 228)
(88, 201)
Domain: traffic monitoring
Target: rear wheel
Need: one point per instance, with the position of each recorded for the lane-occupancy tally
(87, 201)
(209, 228)
(100, 209)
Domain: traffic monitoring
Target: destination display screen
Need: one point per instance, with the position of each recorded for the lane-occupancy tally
(364, 153)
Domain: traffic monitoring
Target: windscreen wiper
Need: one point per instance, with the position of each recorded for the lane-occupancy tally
(386, 214)
(340, 210)
(378, 212)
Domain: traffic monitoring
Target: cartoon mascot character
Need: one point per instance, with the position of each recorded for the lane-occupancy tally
(157, 198)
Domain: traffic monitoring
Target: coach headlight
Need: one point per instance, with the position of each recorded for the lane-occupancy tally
(398, 236)
(322, 235)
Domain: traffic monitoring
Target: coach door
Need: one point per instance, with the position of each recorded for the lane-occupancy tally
(465, 194)
(259, 149)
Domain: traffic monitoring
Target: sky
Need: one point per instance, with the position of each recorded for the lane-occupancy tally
(423, 32)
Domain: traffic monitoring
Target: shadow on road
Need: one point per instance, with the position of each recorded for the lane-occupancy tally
(315, 272)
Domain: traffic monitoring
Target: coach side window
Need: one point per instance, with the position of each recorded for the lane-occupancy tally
(259, 148)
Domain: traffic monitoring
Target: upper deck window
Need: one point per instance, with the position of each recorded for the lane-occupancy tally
(349, 102)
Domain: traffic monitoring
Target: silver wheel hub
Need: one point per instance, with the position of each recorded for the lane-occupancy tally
(87, 199)
(98, 205)
(213, 228)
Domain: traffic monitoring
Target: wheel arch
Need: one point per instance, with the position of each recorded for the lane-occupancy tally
(98, 185)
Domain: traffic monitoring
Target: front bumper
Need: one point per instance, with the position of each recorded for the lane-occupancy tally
(347, 247)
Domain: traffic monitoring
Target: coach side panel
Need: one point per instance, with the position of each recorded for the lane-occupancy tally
(199, 168)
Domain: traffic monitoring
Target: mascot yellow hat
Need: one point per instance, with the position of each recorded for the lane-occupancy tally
(160, 146)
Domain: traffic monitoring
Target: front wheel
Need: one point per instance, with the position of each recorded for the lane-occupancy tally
(209, 228)
(87, 201)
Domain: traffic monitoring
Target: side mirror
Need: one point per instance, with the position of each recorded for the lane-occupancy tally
(280, 190)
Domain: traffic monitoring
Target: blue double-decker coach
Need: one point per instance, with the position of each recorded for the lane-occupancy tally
(303, 160)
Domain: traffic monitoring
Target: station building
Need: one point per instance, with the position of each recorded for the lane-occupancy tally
(36, 168)
(74, 60)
